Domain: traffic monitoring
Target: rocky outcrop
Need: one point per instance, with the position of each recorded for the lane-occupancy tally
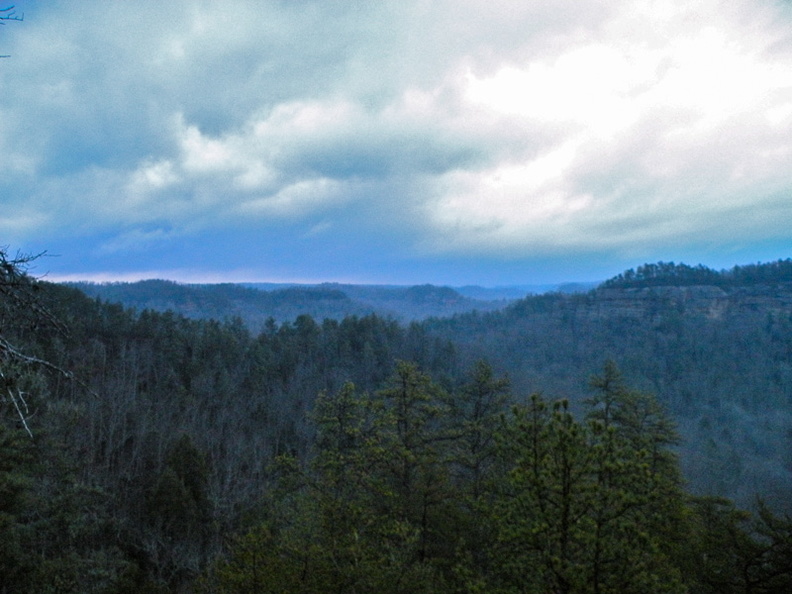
(706, 300)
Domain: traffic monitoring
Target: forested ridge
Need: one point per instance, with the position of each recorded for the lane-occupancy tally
(671, 274)
(718, 356)
(256, 303)
(534, 449)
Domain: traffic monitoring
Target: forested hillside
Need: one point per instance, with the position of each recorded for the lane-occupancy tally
(717, 355)
(527, 450)
(256, 303)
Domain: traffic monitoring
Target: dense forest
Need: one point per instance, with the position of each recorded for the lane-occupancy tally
(718, 355)
(635, 438)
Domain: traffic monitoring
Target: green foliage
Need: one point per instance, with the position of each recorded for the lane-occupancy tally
(476, 412)
(585, 505)
(541, 513)
(351, 527)
(378, 510)
(390, 501)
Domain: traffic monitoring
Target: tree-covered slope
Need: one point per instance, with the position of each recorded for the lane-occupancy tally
(148, 451)
(718, 356)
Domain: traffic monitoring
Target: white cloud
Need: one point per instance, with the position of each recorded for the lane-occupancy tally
(152, 177)
(677, 133)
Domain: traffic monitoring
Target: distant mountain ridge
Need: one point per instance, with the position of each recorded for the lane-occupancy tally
(227, 300)
(633, 290)
(255, 303)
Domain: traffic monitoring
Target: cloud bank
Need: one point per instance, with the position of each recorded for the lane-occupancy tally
(375, 141)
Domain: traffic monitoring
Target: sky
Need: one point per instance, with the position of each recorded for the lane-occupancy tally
(497, 142)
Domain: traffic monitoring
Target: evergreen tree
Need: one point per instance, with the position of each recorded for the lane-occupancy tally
(586, 507)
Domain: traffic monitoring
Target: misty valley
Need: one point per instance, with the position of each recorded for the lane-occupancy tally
(633, 436)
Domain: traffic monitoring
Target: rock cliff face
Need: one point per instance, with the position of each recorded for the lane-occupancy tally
(709, 301)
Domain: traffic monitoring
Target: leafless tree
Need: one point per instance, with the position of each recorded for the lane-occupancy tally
(20, 306)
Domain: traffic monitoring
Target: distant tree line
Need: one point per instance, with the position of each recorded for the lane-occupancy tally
(680, 275)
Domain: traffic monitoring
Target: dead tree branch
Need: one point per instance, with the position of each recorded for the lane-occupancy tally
(23, 310)
(9, 14)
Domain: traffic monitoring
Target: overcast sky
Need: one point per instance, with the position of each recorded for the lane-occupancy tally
(457, 142)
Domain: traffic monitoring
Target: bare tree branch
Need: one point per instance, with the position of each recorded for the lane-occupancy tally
(23, 310)
(20, 289)
(11, 352)
(9, 14)
(23, 416)
(15, 395)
